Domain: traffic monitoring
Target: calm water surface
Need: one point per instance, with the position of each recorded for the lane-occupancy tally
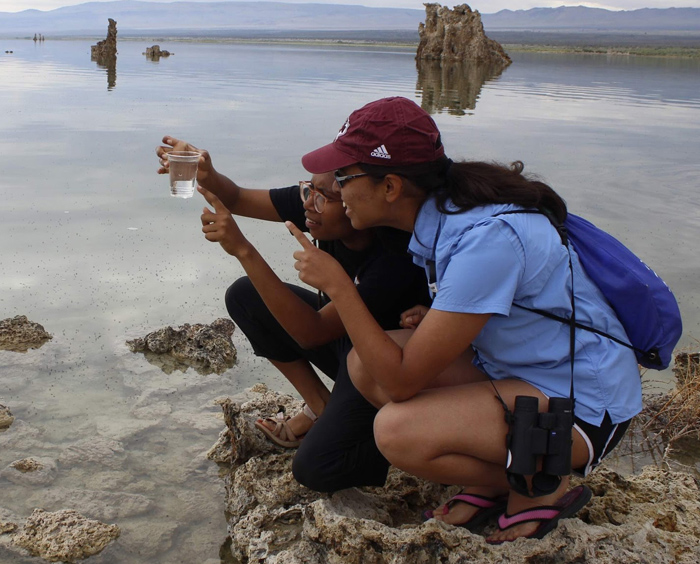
(94, 248)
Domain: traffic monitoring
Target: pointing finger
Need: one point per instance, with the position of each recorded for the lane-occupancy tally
(219, 207)
(299, 236)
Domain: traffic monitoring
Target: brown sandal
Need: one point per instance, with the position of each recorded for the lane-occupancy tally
(282, 435)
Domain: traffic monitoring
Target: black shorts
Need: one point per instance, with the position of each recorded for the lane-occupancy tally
(601, 440)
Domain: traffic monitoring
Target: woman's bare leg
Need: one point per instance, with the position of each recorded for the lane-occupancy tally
(457, 435)
(306, 381)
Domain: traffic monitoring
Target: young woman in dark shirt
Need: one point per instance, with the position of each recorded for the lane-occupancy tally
(297, 329)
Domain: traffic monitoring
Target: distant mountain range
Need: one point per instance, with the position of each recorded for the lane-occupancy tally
(140, 18)
(580, 18)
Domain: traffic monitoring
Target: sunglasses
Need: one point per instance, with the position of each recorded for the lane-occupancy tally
(341, 180)
(308, 190)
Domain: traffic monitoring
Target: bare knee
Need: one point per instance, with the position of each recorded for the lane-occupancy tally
(392, 427)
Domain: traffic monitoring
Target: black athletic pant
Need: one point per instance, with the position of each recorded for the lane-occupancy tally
(339, 451)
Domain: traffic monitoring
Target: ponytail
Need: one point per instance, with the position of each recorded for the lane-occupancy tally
(472, 184)
(464, 185)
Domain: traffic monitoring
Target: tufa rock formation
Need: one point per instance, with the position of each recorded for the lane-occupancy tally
(30, 471)
(18, 334)
(154, 53)
(650, 517)
(64, 536)
(105, 54)
(457, 35)
(207, 348)
(6, 417)
(107, 48)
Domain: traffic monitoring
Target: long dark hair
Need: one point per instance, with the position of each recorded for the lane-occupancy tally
(468, 184)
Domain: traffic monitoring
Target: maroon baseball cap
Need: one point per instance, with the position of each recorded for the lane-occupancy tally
(389, 132)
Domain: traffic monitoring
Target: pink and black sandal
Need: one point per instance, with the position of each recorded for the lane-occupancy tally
(547, 515)
(488, 507)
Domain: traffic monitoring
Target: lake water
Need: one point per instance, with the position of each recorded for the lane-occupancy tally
(94, 248)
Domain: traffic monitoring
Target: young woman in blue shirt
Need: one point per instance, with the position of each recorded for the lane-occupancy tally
(442, 383)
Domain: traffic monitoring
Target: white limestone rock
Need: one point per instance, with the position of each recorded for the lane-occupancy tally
(64, 536)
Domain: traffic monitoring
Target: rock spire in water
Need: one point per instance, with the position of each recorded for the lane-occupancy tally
(107, 48)
(105, 54)
(457, 35)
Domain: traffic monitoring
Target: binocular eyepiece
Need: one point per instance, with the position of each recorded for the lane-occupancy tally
(533, 434)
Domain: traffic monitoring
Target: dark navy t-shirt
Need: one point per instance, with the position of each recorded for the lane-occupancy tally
(384, 274)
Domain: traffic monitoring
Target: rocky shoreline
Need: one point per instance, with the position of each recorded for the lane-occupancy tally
(651, 516)
(641, 517)
(99, 491)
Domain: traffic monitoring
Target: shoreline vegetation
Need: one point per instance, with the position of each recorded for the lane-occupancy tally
(670, 52)
(621, 50)
(662, 44)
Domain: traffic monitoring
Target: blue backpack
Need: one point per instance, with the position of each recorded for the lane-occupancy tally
(642, 301)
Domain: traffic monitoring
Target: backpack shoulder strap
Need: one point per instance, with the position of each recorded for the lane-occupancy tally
(549, 215)
(561, 229)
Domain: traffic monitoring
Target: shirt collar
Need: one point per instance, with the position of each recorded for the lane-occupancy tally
(426, 230)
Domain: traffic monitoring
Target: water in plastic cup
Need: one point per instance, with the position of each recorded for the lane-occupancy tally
(183, 173)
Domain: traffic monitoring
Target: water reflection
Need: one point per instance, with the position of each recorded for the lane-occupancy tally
(452, 87)
(110, 65)
(619, 136)
(169, 364)
(105, 54)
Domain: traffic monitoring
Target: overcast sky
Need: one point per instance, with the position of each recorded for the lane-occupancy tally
(484, 6)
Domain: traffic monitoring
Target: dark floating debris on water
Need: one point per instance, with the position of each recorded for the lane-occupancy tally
(18, 334)
(207, 348)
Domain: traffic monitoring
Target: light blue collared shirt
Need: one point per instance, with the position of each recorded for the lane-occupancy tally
(483, 264)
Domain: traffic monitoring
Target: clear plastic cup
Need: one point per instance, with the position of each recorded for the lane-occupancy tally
(183, 173)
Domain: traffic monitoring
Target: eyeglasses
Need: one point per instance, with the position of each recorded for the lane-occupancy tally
(343, 179)
(307, 189)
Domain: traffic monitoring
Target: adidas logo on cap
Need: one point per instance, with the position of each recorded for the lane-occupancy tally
(380, 152)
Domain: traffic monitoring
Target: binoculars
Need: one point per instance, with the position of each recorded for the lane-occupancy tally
(533, 435)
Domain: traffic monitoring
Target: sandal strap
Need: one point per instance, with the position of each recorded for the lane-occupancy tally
(282, 430)
(544, 513)
(476, 500)
(310, 414)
